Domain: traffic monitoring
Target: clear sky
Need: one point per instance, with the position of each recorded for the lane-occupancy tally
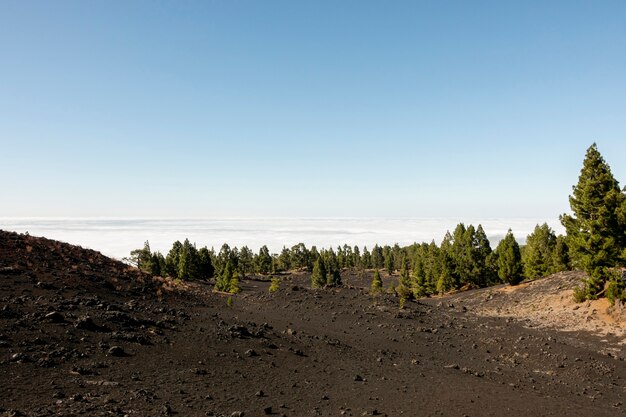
(306, 108)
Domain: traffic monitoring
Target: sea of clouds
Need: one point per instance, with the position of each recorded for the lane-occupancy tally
(117, 237)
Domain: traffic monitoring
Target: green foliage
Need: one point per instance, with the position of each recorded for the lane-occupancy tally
(366, 259)
(300, 257)
(377, 283)
(274, 285)
(245, 262)
(405, 287)
(560, 257)
(377, 260)
(157, 264)
(616, 290)
(596, 229)
(142, 258)
(404, 292)
(538, 258)
(234, 287)
(318, 276)
(229, 302)
(187, 261)
(580, 294)
(447, 279)
(183, 261)
(172, 259)
(333, 279)
(223, 281)
(469, 253)
(356, 257)
(263, 261)
(509, 260)
(388, 261)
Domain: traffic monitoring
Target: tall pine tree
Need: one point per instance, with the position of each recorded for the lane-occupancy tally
(509, 260)
(538, 256)
(318, 276)
(595, 232)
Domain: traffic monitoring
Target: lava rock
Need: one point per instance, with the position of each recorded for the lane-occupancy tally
(55, 317)
(116, 351)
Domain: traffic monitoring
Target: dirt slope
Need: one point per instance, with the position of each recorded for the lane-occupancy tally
(84, 335)
(549, 303)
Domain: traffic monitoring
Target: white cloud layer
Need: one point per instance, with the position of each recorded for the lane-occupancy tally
(117, 237)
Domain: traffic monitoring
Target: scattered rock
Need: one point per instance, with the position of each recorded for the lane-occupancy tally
(87, 323)
(55, 317)
(117, 351)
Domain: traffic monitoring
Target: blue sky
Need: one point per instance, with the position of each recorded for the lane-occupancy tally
(326, 108)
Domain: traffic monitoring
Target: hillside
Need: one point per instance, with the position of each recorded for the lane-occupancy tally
(81, 334)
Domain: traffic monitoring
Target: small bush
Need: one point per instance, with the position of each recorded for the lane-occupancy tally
(580, 294)
(404, 292)
(377, 283)
(235, 288)
(229, 301)
(275, 285)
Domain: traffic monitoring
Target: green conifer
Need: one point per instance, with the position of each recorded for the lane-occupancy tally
(509, 260)
(595, 234)
(318, 276)
(377, 283)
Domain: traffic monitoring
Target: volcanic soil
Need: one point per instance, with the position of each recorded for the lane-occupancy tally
(81, 334)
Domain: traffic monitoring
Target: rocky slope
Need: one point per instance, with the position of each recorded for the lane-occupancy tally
(81, 334)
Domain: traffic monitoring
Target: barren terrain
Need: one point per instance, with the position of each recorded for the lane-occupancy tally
(81, 334)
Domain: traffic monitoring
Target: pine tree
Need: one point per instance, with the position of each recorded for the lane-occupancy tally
(509, 260)
(484, 273)
(223, 281)
(157, 264)
(377, 283)
(205, 265)
(172, 259)
(419, 274)
(377, 259)
(245, 263)
(560, 260)
(405, 287)
(366, 259)
(334, 278)
(318, 276)
(356, 257)
(142, 258)
(234, 287)
(300, 256)
(538, 258)
(188, 261)
(447, 278)
(264, 261)
(595, 234)
(388, 260)
(224, 256)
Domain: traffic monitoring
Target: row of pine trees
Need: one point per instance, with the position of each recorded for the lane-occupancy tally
(464, 259)
(595, 242)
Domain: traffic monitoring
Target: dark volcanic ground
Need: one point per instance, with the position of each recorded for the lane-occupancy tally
(81, 334)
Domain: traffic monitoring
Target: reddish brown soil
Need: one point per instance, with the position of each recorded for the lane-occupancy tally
(297, 352)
